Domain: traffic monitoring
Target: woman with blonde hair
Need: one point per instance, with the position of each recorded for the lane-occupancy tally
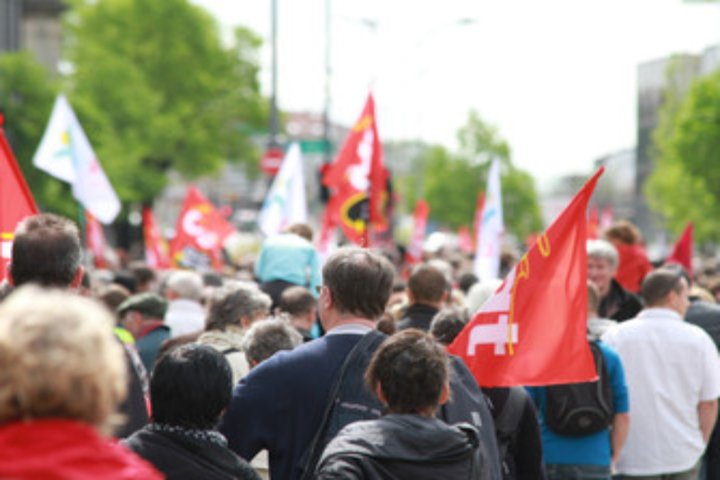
(62, 376)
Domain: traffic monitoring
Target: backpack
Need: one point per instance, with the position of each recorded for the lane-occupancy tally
(506, 425)
(578, 409)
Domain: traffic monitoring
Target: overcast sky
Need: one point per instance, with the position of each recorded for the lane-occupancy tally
(557, 77)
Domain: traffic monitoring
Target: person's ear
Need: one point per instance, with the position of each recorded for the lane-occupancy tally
(10, 279)
(77, 278)
(380, 394)
(410, 296)
(445, 394)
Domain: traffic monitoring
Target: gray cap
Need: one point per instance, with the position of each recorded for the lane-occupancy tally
(149, 304)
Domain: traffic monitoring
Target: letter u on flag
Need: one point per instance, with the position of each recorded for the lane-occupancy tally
(533, 330)
(65, 152)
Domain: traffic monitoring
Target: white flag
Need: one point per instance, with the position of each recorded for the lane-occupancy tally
(65, 153)
(489, 237)
(285, 202)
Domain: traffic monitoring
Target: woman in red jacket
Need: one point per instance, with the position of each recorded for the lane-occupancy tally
(62, 376)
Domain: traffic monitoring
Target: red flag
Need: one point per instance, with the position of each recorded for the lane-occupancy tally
(16, 201)
(414, 251)
(357, 170)
(682, 252)
(199, 233)
(95, 237)
(156, 248)
(633, 265)
(533, 330)
(594, 224)
(465, 242)
(477, 221)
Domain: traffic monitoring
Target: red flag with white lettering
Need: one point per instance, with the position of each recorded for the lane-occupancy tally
(199, 233)
(156, 248)
(16, 201)
(413, 254)
(533, 330)
(358, 170)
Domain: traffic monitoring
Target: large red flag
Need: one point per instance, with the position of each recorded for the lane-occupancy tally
(16, 201)
(682, 252)
(356, 174)
(199, 233)
(156, 248)
(95, 238)
(413, 254)
(533, 330)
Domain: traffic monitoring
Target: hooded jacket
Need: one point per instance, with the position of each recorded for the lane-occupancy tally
(397, 447)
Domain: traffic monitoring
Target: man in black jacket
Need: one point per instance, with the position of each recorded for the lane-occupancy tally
(409, 374)
(427, 291)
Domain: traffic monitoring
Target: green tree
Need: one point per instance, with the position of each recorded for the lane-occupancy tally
(685, 182)
(26, 97)
(450, 181)
(156, 90)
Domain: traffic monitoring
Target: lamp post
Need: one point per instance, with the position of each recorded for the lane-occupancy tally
(273, 154)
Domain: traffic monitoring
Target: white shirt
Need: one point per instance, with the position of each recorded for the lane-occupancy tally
(670, 367)
(184, 316)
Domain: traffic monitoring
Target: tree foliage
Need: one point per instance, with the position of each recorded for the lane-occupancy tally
(450, 182)
(26, 96)
(156, 90)
(685, 183)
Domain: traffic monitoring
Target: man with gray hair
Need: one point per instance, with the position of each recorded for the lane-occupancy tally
(673, 376)
(616, 303)
(267, 337)
(185, 314)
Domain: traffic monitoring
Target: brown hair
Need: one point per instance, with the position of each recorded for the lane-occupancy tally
(427, 284)
(411, 369)
(360, 281)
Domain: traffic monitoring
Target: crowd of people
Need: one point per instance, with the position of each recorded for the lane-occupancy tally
(340, 371)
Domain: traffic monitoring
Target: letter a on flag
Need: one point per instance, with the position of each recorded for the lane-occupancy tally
(65, 152)
(533, 330)
(16, 201)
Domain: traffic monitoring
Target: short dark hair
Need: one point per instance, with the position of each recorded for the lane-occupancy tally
(46, 250)
(467, 280)
(427, 284)
(359, 280)
(659, 283)
(448, 323)
(411, 369)
(301, 229)
(297, 301)
(142, 272)
(190, 387)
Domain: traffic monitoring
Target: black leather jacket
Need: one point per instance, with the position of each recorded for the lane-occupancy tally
(397, 447)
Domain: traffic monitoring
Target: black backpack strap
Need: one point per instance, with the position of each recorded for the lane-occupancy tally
(311, 456)
(507, 422)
